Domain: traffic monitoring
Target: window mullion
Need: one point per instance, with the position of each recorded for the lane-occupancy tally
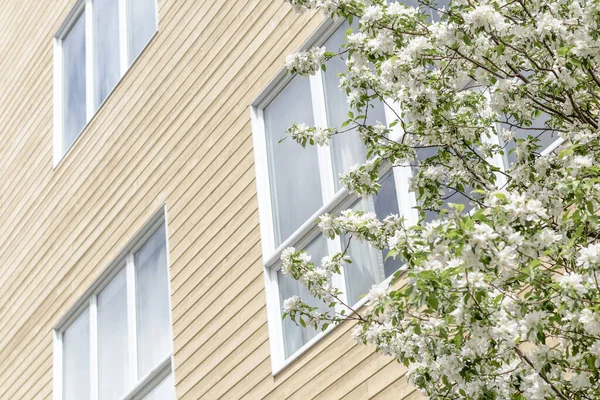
(89, 60)
(497, 160)
(58, 101)
(123, 37)
(57, 366)
(407, 200)
(131, 321)
(326, 170)
(274, 313)
(324, 152)
(375, 255)
(263, 184)
(94, 370)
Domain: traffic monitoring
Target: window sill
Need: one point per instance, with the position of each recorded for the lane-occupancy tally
(304, 349)
(151, 380)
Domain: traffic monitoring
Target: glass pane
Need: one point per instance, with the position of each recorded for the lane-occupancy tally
(386, 203)
(368, 266)
(152, 303)
(294, 171)
(545, 137)
(430, 11)
(142, 25)
(295, 336)
(73, 46)
(449, 195)
(106, 38)
(76, 358)
(347, 148)
(163, 391)
(112, 339)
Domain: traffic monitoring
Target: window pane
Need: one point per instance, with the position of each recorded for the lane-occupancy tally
(294, 171)
(76, 358)
(142, 25)
(347, 148)
(152, 302)
(449, 195)
(106, 41)
(74, 117)
(164, 391)
(545, 137)
(368, 266)
(295, 336)
(430, 12)
(112, 339)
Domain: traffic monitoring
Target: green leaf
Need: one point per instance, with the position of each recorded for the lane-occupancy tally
(432, 301)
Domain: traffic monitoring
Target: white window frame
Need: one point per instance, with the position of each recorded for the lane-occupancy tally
(90, 89)
(332, 201)
(125, 261)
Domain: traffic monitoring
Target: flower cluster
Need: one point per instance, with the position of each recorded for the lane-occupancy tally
(499, 297)
(306, 62)
(303, 134)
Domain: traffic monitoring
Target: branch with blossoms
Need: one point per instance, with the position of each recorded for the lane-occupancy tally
(499, 299)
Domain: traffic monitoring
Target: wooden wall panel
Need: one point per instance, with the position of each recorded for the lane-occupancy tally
(176, 131)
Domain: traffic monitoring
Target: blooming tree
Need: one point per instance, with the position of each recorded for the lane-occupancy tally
(499, 300)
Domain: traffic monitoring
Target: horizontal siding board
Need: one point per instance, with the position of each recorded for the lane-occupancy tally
(175, 131)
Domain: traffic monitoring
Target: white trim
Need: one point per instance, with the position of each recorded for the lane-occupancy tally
(319, 107)
(552, 147)
(123, 37)
(263, 185)
(131, 320)
(90, 82)
(70, 20)
(148, 382)
(168, 257)
(94, 367)
(59, 150)
(276, 344)
(407, 200)
(57, 365)
(58, 117)
(135, 387)
(333, 201)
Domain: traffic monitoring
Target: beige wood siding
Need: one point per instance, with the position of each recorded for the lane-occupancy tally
(175, 131)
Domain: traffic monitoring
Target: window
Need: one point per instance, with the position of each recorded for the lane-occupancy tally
(93, 49)
(296, 186)
(116, 343)
(547, 138)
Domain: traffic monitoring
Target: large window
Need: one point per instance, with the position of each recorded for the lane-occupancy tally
(116, 343)
(93, 49)
(295, 186)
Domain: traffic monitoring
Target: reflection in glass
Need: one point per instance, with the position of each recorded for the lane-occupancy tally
(76, 356)
(295, 336)
(294, 171)
(73, 49)
(142, 25)
(545, 137)
(369, 265)
(113, 361)
(347, 148)
(106, 42)
(152, 302)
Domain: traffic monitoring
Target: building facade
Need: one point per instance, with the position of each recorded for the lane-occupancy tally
(138, 149)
